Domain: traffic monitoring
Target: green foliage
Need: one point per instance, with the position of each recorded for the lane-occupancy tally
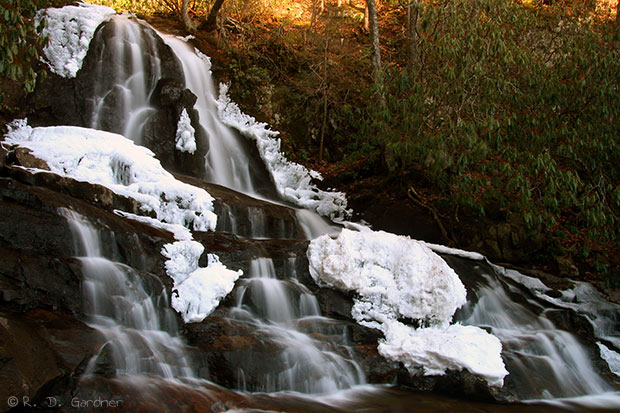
(18, 44)
(516, 112)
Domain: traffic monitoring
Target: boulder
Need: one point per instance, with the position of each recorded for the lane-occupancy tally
(41, 347)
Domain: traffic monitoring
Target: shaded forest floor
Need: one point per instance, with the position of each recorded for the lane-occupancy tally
(306, 72)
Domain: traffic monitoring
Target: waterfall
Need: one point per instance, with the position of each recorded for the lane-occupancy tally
(314, 356)
(135, 318)
(121, 100)
(227, 160)
(288, 313)
(545, 362)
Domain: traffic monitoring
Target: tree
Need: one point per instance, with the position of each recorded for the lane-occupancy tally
(210, 22)
(412, 34)
(377, 70)
(190, 26)
(18, 42)
(182, 11)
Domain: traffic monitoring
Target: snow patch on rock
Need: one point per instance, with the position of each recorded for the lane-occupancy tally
(394, 278)
(115, 162)
(69, 31)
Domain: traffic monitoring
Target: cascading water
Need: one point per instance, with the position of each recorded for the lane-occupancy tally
(227, 160)
(121, 100)
(544, 361)
(306, 364)
(313, 353)
(282, 309)
(121, 103)
(137, 321)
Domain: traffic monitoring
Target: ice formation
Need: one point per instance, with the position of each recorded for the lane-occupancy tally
(115, 162)
(292, 180)
(69, 31)
(395, 277)
(185, 137)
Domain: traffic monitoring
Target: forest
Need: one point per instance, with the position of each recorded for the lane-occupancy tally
(310, 206)
(499, 120)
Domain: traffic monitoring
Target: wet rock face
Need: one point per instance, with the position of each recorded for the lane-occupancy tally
(97, 89)
(170, 98)
(95, 97)
(43, 341)
(249, 217)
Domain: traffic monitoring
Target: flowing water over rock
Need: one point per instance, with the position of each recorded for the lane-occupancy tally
(288, 313)
(278, 331)
(136, 319)
(545, 360)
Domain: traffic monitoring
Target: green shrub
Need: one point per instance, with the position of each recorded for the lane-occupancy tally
(18, 44)
(511, 111)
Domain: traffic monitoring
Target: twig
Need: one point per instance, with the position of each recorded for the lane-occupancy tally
(413, 195)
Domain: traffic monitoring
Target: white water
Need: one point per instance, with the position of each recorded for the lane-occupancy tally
(134, 78)
(282, 309)
(544, 361)
(139, 326)
(227, 161)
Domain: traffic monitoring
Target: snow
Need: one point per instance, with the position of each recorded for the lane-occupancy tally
(204, 58)
(611, 357)
(185, 136)
(438, 349)
(197, 291)
(117, 163)
(531, 283)
(398, 275)
(179, 232)
(69, 31)
(395, 277)
(441, 249)
(292, 180)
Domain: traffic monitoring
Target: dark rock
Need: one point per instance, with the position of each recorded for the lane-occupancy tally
(170, 98)
(27, 160)
(566, 267)
(508, 241)
(249, 217)
(234, 353)
(39, 347)
(98, 88)
(398, 217)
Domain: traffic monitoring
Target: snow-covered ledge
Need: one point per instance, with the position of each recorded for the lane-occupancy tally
(396, 277)
(69, 31)
(127, 169)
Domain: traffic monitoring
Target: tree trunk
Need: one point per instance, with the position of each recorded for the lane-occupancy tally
(190, 26)
(366, 20)
(618, 14)
(377, 70)
(325, 88)
(412, 34)
(211, 20)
